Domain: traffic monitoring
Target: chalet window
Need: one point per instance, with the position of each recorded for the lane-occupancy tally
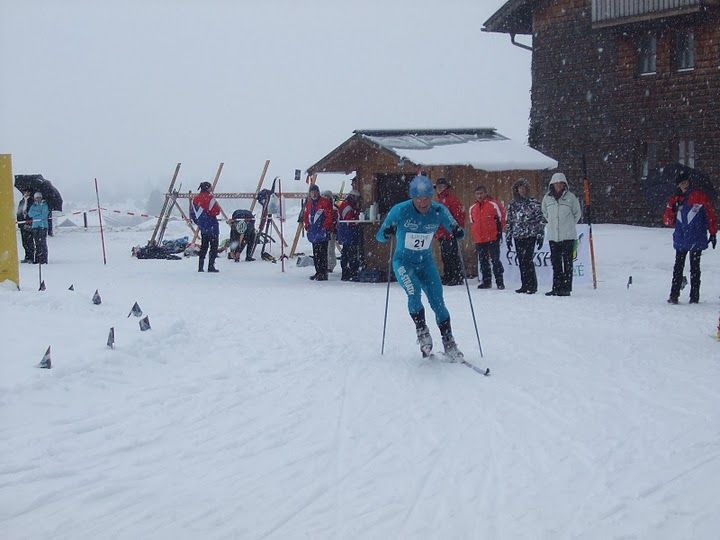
(685, 50)
(686, 152)
(648, 157)
(647, 54)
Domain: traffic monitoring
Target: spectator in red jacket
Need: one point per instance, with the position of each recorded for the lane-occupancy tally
(487, 219)
(452, 274)
(318, 219)
(692, 214)
(204, 211)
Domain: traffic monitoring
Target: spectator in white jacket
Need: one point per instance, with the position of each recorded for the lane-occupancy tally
(561, 210)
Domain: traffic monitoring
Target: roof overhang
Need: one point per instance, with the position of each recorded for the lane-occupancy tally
(480, 148)
(514, 17)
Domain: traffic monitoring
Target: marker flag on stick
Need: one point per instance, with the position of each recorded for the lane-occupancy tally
(145, 323)
(45, 363)
(135, 310)
(96, 298)
(111, 338)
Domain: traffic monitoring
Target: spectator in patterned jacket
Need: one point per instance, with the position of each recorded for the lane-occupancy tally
(526, 227)
(348, 236)
(452, 274)
(318, 219)
(204, 211)
(692, 213)
(487, 218)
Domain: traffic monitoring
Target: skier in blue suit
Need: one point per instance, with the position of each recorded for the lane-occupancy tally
(414, 222)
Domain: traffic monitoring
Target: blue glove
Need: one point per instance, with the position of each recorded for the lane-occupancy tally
(458, 232)
(389, 231)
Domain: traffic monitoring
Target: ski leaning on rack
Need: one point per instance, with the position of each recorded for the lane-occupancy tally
(262, 232)
(442, 357)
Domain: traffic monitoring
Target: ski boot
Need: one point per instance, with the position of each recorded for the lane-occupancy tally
(451, 350)
(425, 340)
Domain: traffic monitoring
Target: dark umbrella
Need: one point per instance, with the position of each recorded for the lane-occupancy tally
(661, 183)
(35, 183)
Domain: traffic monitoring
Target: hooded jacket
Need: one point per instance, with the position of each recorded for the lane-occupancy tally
(456, 208)
(694, 217)
(318, 218)
(561, 214)
(348, 233)
(39, 214)
(204, 211)
(524, 216)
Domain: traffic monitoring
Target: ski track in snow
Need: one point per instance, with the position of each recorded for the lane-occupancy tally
(259, 406)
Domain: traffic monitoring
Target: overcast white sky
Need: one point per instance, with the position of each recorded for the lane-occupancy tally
(122, 91)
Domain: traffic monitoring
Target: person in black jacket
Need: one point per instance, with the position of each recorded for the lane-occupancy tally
(26, 235)
(525, 226)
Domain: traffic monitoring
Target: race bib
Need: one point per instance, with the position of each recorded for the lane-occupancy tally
(418, 241)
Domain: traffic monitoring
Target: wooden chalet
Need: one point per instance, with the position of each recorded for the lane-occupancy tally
(631, 84)
(385, 161)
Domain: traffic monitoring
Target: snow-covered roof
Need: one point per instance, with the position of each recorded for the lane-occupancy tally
(481, 148)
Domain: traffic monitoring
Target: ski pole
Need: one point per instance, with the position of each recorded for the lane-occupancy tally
(387, 292)
(467, 287)
(588, 214)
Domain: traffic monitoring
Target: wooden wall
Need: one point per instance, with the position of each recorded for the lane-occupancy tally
(587, 97)
(370, 162)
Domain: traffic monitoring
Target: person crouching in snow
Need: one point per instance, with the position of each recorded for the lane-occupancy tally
(414, 222)
(318, 218)
(204, 211)
(692, 214)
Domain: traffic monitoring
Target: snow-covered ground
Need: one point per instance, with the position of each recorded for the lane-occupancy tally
(259, 406)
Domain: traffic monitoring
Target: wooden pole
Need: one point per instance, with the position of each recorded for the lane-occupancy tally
(588, 217)
(282, 218)
(312, 179)
(165, 208)
(102, 234)
(260, 183)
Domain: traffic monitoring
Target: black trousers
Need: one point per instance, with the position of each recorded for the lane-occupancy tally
(28, 242)
(320, 257)
(489, 253)
(452, 273)
(208, 241)
(41, 249)
(694, 274)
(525, 250)
(561, 257)
(350, 261)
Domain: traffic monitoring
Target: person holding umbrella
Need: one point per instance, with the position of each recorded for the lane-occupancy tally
(39, 213)
(692, 214)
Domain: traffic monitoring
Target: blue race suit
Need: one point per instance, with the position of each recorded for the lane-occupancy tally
(413, 262)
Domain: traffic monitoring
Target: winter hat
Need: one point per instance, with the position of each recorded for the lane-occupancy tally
(442, 181)
(681, 177)
(421, 186)
(37, 195)
(327, 194)
(205, 186)
(557, 178)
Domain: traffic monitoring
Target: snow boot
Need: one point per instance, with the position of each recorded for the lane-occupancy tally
(201, 264)
(425, 340)
(451, 349)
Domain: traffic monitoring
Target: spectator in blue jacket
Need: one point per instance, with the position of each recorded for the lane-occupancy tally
(39, 214)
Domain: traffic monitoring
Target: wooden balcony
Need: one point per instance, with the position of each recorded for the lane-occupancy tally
(617, 12)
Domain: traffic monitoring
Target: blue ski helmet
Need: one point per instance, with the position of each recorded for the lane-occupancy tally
(421, 186)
